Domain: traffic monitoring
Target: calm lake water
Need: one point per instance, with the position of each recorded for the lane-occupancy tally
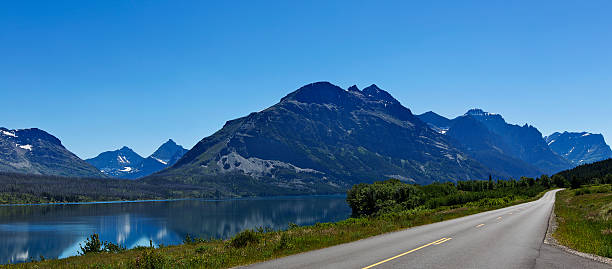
(55, 231)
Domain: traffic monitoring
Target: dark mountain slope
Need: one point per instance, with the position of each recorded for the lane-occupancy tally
(168, 153)
(34, 151)
(488, 148)
(510, 149)
(435, 121)
(524, 142)
(322, 138)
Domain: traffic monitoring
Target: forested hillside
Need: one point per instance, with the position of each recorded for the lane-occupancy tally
(599, 170)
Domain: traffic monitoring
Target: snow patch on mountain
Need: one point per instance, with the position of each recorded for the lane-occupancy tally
(122, 159)
(8, 133)
(161, 161)
(28, 147)
(126, 169)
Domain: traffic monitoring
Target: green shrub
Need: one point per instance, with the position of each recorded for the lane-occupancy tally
(284, 242)
(603, 189)
(245, 238)
(582, 191)
(593, 189)
(193, 240)
(202, 249)
(92, 245)
(113, 248)
(150, 259)
(382, 196)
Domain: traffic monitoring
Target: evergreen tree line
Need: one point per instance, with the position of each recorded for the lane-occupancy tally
(586, 174)
(22, 188)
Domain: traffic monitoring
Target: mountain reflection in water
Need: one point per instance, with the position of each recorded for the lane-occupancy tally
(55, 231)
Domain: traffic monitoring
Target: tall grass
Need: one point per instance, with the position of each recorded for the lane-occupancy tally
(585, 219)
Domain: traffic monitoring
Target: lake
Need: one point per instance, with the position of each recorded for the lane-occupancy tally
(55, 231)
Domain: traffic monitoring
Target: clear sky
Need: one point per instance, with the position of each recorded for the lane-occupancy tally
(103, 74)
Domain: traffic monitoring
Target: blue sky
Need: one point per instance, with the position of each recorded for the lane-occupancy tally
(103, 74)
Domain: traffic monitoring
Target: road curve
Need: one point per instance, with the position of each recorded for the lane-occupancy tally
(510, 237)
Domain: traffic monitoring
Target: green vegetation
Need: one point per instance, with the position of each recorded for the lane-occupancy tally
(94, 245)
(28, 189)
(379, 208)
(394, 196)
(584, 218)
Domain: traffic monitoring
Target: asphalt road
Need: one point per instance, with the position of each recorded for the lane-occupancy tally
(510, 237)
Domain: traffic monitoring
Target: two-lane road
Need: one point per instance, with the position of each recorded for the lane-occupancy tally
(510, 237)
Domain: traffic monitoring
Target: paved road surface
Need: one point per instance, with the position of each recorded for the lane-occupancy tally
(510, 237)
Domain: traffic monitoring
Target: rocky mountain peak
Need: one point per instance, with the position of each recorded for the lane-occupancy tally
(319, 93)
(167, 151)
(374, 92)
(353, 89)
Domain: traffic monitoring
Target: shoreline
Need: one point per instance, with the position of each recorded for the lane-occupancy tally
(178, 199)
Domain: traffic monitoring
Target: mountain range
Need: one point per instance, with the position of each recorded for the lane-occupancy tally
(321, 138)
(125, 163)
(509, 149)
(579, 148)
(518, 150)
(34, 151)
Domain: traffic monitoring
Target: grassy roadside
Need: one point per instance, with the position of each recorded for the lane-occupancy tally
(260, 245)
(584, 218)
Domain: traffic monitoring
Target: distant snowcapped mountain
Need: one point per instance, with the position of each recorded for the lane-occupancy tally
(125, 163)
(119, 163)
(507, 148)
(165, 156)
(580, 148)
(34, 151)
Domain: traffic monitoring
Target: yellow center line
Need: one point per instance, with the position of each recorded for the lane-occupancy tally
(440, 242)
(437, 242)
(479, 225)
